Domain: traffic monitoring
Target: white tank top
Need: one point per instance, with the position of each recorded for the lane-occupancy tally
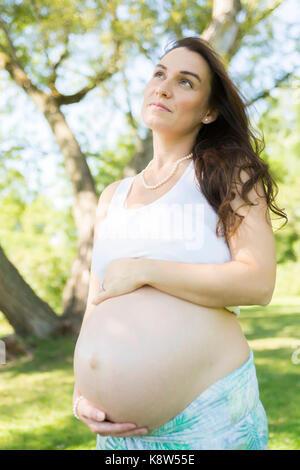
(179, 226)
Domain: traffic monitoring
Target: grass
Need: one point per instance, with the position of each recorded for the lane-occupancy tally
(36, 391)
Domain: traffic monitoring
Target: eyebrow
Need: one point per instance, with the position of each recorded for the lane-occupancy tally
(185, 72)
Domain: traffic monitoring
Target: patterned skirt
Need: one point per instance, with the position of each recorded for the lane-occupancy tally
(228, 415)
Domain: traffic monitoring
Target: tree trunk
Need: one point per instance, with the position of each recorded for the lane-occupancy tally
(84, 208)
(85, 198)
(142, 156)
(25, 311)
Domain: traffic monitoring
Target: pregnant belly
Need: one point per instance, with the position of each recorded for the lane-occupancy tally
(144, 356)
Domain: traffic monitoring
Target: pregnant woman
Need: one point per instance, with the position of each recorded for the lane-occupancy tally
(161, 361)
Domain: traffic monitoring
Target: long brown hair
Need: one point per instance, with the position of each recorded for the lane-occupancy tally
(223, 148)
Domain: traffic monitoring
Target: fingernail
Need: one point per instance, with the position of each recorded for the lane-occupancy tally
(132, 426)
(100, 416)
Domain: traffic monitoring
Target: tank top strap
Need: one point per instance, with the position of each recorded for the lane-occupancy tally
(119, 196)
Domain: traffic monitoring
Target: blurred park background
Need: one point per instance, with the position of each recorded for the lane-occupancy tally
(72, 75)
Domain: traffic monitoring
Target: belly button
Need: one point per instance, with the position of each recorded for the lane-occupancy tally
(93, 362)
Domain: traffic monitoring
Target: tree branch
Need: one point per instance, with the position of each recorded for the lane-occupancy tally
(79, 95)
(63, 56)
(248, 24)
(3, 48)
(54, 67)
(129, 116)
(20, 77)
(261, 15)
(94, 81)
(267, 91)
(10, 62)
(11, 50)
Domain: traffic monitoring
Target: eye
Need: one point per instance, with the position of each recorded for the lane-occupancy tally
(185, 80)
(182, 80)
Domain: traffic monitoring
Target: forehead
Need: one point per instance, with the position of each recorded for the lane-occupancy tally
(181, 57)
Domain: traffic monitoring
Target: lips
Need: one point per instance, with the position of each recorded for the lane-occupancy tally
(160, 105)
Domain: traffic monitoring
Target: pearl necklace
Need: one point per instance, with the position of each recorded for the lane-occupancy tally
(167, 177)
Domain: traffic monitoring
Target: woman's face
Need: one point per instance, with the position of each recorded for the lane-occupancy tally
(185, 95)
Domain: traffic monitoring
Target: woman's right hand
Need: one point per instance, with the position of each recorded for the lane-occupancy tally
(94, 419)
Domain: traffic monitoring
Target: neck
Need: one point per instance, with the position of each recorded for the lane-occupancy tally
(167, 151)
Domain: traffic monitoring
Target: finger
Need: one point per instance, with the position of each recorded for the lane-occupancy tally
(107, 428)
(91, 412)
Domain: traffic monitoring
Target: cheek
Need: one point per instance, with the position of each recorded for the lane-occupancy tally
(147, 89)
(145, 110)
(146, 96)
(144, 106)
(191, 108)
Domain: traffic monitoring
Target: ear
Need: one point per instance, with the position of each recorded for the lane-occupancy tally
(211, 117)
(215, 114)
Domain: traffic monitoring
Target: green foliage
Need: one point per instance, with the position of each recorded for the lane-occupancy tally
(274, 333)
(184, 15)
(113, 161)
(281, 126)
(46, 33)
(41, 242)
(288, 278)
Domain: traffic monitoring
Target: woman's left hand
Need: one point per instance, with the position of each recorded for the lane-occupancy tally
(121, 276)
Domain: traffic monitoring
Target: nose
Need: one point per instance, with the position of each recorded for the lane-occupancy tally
(162, 91)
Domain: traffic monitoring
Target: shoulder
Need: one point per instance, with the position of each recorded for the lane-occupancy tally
(103, 204)
(106, 197)
(109, 191)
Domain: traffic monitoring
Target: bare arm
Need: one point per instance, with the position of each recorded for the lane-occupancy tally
(249, 279)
